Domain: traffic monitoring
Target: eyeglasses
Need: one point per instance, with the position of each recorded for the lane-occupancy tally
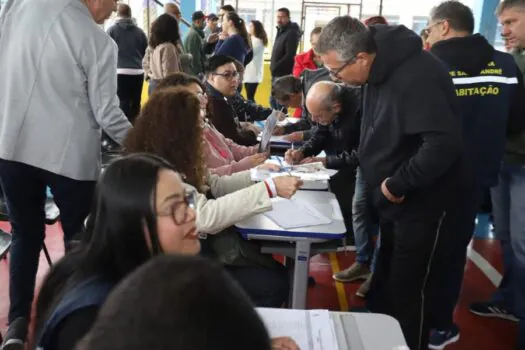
(428, 29)
(335, 73)
(179, 211)
(228, 75)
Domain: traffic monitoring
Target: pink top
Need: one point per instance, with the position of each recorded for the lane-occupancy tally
(223, 156)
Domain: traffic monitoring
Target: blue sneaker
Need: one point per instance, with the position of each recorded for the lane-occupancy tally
(439, 339)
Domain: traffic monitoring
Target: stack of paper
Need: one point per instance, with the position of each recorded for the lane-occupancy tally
(311, 330)
(306, 172)
(295, 213)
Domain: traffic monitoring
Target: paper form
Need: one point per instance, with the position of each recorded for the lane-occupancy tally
(295, 213)
(311, 330)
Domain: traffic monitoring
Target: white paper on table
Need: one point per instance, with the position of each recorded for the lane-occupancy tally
(311, 330)
(267, 132)
(306, 172)
(295, 213)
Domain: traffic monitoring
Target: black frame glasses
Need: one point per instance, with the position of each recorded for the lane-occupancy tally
(335, 73)
(229, 75)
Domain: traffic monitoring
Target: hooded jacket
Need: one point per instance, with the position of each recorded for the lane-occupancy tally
(131, 42)
(411, 122)
(490, 89)
(285, 49)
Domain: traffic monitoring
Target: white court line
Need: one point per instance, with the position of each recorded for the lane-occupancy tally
(492, 274)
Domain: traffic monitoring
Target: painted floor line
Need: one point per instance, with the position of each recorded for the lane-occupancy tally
(339, 287)
(492, 274)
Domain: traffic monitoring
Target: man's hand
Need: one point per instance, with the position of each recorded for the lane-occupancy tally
(286, 186)
(390, 196)
(284, 343)
(278, 130)
(293, 156)
(280, 115)
(297, 136)
(251, 127)
(212, 38)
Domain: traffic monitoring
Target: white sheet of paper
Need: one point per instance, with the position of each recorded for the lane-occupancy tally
(295, 213)
(311, 330)
(267, 132)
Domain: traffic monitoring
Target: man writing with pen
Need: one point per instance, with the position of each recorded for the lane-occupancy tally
(335, 109)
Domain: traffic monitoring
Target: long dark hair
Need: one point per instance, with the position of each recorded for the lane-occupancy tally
(165, 29)
(259, 32)
(114, 243)
(240, 25)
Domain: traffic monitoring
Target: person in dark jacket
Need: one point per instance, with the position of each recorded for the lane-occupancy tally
(335, 109)
(222, 81)
(194, 42)
(291, 92)
(410, 154)
(490, 89)
(284, 48)
(132, 43)
(237, 43)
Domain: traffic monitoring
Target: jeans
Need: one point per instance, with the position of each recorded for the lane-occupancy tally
(363, 225)
(25, 194)
(508, 205)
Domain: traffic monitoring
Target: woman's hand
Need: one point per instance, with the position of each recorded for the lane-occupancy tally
(284, 343)
(257, 159)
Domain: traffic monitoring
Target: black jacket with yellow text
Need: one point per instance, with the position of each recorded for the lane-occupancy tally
(490, 90)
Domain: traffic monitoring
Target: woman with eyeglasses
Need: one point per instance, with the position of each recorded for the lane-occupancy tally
(170, 126)
(141, 209)
(222, 155)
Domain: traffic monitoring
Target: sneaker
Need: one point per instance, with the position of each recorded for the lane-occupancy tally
(16, 335)
(439, 339)
(355, 272)
(365, 287)
(491, 309)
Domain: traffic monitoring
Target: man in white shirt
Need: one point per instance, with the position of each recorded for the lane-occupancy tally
(57, 92)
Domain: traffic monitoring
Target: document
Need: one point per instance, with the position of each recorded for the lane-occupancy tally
(310, 329)
(306, 172)
(295, 213)
(267, 132)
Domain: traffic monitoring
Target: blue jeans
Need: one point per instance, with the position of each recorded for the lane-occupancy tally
(508, 206)
(25, 194)
(363, 225)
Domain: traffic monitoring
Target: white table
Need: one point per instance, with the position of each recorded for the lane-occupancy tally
(260, 227)
(367, 331)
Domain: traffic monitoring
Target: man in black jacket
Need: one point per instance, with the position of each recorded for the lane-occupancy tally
(490, 89)
(335, 109)
(284, 48)
(410, 154)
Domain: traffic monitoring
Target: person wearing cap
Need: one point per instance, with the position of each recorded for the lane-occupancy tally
(212, 25)
(193, 44)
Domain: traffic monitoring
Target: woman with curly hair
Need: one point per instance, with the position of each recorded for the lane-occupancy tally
(223, 156)
(170, 127)
(163, 53)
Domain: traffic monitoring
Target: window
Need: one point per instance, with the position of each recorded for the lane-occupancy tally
(419, 23)
(499, 42)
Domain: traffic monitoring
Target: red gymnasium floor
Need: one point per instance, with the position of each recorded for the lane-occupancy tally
(483, 271)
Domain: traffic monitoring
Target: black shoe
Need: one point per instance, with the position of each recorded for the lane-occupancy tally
(16, 335)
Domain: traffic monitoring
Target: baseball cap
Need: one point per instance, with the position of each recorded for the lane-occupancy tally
(212, 17)
(197, 15)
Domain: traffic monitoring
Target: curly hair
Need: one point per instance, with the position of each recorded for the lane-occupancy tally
(165, 29)
(169, 127)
